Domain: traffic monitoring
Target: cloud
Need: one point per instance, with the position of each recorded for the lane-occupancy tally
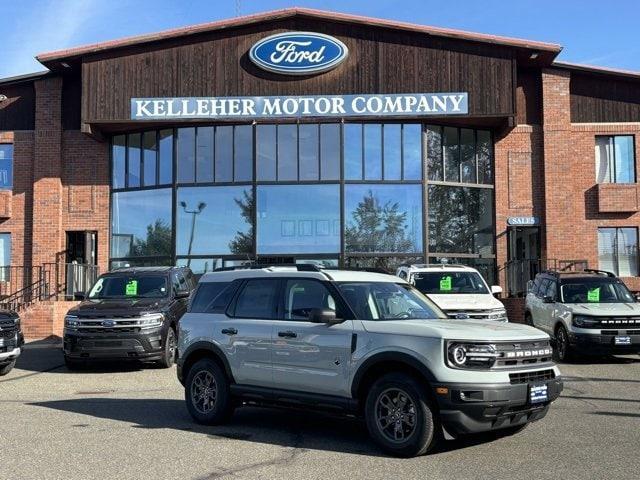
(48, 25)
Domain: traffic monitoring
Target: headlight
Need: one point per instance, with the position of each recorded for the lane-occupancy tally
(581, 321)
(499, 315)
(471, 355)
(153, 320)
(71, 322)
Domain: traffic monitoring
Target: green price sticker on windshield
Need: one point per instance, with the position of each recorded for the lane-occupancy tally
(593, 295)
(445, 283)
(131, 288)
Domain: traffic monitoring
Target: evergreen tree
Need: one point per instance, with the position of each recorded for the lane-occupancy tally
(243, 241)
(157, 243)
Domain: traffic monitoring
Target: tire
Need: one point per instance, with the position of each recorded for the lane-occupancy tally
(563, 347)
(5, 369)
(73, 364)
(217, 408)
(410, 398)
(170, 347)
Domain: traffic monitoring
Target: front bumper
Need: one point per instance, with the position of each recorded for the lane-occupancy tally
(145, 345)
(10, 347)
(598, 344)
(471, 408)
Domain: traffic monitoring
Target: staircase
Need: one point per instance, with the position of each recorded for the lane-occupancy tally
(518, 272)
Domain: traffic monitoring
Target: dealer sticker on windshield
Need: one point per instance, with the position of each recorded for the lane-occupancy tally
(132, 288)
(538, 393)
(445, 283)
(593, 295)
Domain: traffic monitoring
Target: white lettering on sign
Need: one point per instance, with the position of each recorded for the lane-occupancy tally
(404, 105)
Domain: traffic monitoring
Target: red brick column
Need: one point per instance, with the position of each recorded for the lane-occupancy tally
(47, 168)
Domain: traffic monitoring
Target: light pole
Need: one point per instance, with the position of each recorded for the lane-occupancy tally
(193, 213)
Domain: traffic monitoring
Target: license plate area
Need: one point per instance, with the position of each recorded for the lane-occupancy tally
(622, 340)
(538, 393)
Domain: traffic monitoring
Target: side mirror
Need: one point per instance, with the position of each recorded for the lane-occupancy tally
(548, 299)
(323, 315)
(79, 296)
(182, 294)
(496, 289)
(529, 286)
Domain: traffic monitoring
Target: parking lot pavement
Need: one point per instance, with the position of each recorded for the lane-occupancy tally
(130, 422)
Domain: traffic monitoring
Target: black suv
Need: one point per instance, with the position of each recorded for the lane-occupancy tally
(130, 313)
(11, 340)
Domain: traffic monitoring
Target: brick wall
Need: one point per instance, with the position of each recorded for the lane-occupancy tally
(515, 309)
(45, 319)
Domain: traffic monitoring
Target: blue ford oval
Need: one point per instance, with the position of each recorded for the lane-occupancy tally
(298, 53)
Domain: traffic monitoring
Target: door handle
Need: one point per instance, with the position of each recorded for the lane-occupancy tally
(229, 331)
(287, 334)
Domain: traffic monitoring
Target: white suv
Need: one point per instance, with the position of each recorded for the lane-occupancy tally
(361, 343)
(457, 289)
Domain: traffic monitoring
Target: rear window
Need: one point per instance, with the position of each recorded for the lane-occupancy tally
(212, 297)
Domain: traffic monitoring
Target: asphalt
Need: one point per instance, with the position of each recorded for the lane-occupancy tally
(129, 421)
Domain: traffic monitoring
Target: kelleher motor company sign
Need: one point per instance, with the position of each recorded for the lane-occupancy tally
(225, 108)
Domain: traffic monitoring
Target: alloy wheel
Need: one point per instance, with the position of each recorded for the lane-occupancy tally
(561, 343)
(395, 415)
(204, 391)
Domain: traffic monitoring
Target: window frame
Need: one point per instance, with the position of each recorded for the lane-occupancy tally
(611, 162)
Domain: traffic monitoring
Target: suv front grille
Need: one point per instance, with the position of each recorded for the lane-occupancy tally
(531, 377)
(521, 354)
(473, 314)
(8, 333)
(614, 322)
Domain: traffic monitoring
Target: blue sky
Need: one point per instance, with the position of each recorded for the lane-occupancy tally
(594, 32)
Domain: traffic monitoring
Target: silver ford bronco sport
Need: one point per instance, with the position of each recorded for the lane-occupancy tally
(363, 343)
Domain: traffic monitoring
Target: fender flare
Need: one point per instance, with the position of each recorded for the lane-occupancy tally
(383, 357)
(211, 348)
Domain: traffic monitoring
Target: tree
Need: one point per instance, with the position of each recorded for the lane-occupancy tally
(243, 242)
(377, 228)
(157, 243)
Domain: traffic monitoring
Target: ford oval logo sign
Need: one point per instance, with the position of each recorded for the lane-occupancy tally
(298, 53)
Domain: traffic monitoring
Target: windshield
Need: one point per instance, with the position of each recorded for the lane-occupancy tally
(133, 286)
(387, 301)
(595, 291)
(449, 282)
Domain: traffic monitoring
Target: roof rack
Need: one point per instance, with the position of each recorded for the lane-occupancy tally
(301, 267)
(432, 265)
(601, 272)
(359, 269)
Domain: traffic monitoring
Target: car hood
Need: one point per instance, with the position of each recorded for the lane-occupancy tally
(118, 306)
(623, 309)
(479, 330)
(464, 301)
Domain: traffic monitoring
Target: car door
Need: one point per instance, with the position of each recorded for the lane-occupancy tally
(245, 331)
(311, 357)
(549, 309)
(536, 304)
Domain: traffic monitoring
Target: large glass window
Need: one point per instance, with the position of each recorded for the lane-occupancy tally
(214, 221)
(383, 218)
(6, 166)
(615, 159)
(141, 224)
(298, 219)
(618, 251)
(460, 220)
(350, 194)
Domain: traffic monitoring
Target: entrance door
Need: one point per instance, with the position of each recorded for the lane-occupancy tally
(80, 261)
(523, 255)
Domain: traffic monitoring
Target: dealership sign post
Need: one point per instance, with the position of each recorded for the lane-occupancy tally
(406, 104)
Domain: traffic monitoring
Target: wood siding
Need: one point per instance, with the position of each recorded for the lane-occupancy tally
(18, 111)
(599, 98)
(529, 97)
(380, 61)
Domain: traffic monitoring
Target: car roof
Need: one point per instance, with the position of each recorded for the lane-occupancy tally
(563, 277)
(278, 272)
(438, 267)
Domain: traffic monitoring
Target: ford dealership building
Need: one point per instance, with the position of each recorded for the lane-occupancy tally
(307, 136)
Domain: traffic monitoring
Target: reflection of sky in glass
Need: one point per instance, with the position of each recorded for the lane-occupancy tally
(373, 152)
(132, 212)
(392, 151)
(352, 151)
(216, 225)
(266, 152)
(412, 151)
(298, 219)
(118, 155)
(625, 164)
(408, 197)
